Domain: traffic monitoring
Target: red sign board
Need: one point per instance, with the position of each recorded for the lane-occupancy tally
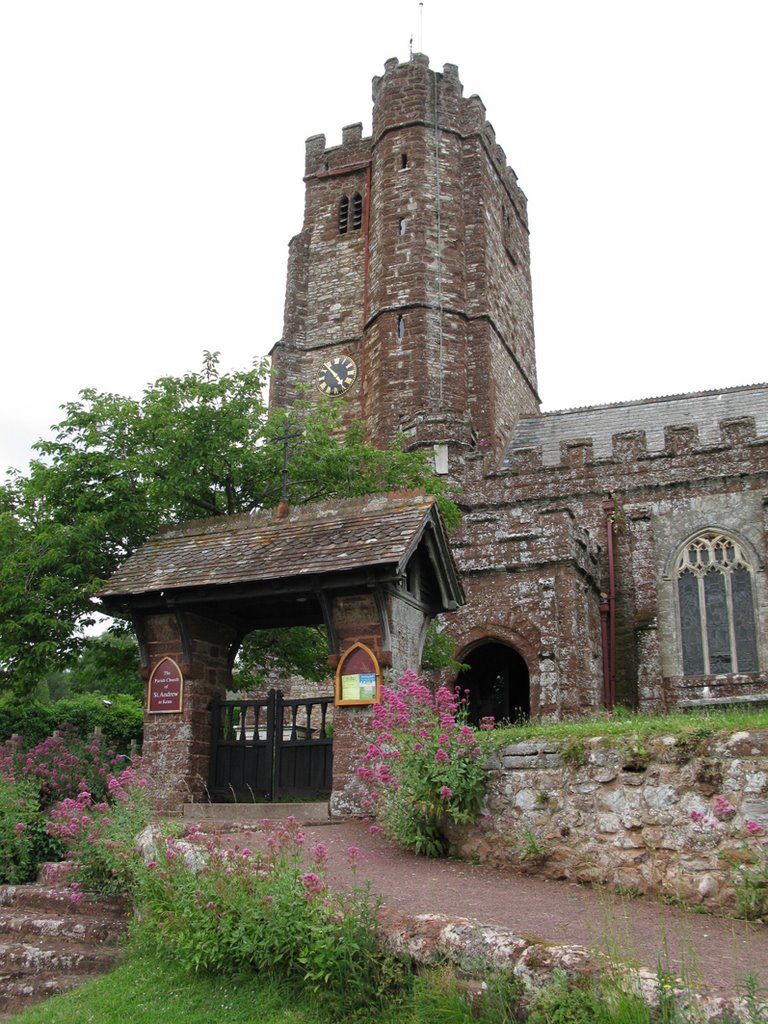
(166, 688)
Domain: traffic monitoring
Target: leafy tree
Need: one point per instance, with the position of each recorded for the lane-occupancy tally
(438, 650)
(106, 664)
(118, 468)
(296, 650)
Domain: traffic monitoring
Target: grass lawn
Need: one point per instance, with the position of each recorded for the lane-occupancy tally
(145, 991)
(622, 723)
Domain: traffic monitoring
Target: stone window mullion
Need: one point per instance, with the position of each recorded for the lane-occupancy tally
(716, 600)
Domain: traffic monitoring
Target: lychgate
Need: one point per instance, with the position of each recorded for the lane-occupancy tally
(373, 571)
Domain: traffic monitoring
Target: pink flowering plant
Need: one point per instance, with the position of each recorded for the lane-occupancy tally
(100, 834)
(24, 842)
(264, 904)
(33, 780)
(748, 860)
(425, 765)
(63, 765)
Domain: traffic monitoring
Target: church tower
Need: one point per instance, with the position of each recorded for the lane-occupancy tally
(409, 292)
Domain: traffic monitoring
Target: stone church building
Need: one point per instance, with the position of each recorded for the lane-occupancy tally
(610, 553)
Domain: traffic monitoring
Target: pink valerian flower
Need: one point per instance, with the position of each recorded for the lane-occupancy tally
(487, 722)
(753, 828)
(441, 757)
(722, 809)
(697, 817)
(353, 855)
(19, 828)
(313, 885)
(320, 853)
(446, 793)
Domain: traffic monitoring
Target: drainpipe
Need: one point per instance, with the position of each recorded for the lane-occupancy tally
(609, 677)
(604, 617)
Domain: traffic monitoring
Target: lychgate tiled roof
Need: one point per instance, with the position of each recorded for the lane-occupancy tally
(318, 539)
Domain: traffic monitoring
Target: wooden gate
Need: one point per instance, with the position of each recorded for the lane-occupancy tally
(270, 749)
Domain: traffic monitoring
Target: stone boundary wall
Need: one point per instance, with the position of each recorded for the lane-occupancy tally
(617, 812)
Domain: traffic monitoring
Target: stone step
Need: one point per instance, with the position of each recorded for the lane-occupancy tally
(210, 815)
(19, 994)
(50, 943)
(74, 927)
(58, 900)
(21, 958)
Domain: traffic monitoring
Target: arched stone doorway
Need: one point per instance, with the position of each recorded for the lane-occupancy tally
(498, 682)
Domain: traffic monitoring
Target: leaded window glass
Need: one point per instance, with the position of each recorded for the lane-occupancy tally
(717, 614)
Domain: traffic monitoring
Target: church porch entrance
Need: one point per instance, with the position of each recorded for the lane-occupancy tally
(498, 682)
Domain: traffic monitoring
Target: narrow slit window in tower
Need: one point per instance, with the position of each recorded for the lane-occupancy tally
(401, 327)
(343, 215)
(403, 161)
(402, 226)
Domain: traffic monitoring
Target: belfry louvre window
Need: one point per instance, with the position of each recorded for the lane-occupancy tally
(357, 211)
(350, 213)
(343, 215)
(717, 614)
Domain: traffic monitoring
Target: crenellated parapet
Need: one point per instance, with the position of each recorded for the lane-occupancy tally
(632, 434)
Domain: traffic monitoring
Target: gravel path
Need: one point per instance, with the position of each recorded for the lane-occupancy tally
(711, 951)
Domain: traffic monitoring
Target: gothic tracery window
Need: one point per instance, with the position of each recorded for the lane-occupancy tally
(717, 615)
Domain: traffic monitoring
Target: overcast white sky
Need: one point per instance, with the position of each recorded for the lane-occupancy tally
(151, 160)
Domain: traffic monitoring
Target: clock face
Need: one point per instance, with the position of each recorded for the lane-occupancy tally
(336, 376)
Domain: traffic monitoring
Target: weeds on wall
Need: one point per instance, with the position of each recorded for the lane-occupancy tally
(748, 859)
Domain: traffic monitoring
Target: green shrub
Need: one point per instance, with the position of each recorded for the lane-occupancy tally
(24, 841)
(272, 913)
(32, 721)
(566, 1001)
(100, 835)
(425, 765)
(120, 722)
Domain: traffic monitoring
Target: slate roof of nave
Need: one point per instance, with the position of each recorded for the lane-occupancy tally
(598, 423)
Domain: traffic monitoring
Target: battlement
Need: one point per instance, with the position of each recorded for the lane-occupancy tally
(410, 93)
(656, 428)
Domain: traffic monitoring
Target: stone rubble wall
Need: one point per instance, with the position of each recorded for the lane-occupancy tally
(429, 939)
(617, 812)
